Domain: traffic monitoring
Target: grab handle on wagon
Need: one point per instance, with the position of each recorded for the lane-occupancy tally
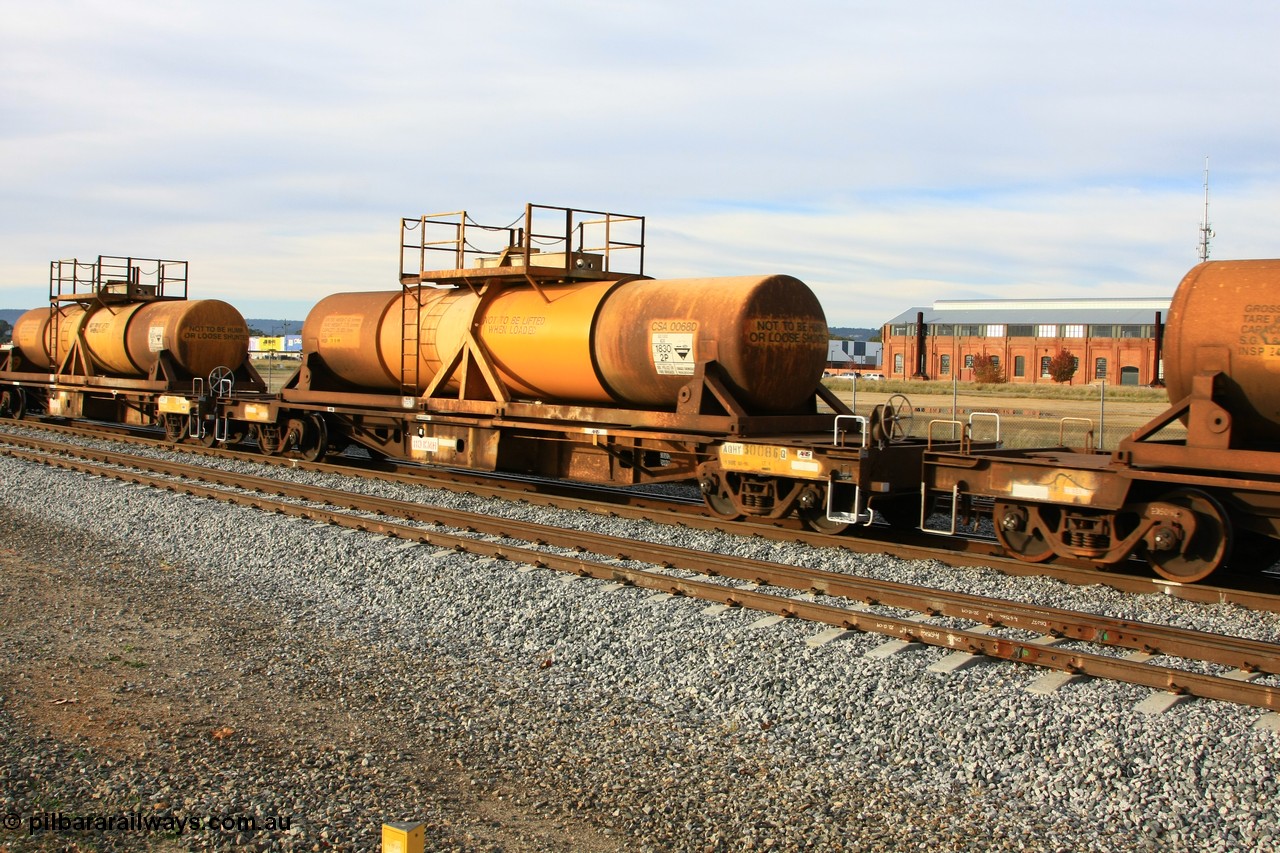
(862, 428)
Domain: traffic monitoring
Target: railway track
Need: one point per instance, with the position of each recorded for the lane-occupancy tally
(971, 627)
(1256, 592)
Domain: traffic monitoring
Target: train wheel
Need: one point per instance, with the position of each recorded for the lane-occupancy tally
(268, 436)
(1208, 546)
(315, 438)
(175, 428)
(13, 403)
(716, 493)
(721, 505)
(1021, 531)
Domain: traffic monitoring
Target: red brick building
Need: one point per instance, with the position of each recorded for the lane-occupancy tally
(1115, 340)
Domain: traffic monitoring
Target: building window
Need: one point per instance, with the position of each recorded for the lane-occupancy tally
(897, 362)
(1101, 332)
(899, 330)
(1130, 331)
(944, 365)
(995, 361)
(968, 362)
(1022, 331)
(1044, 364)
(995, 330)
(1100, 369)
(1019, 365)
(1073, 330)
(1047, 331)
(944, 330)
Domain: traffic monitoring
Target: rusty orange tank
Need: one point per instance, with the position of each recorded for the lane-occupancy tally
(126, 340)
(634, 342)
(1225, 316)
(34, 331)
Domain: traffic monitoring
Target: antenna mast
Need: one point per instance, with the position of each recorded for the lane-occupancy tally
(1205, 231)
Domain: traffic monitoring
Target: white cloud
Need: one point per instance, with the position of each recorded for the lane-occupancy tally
(888, 153)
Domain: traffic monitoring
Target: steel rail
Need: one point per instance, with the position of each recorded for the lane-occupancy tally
(1247, 655)
(904, 544)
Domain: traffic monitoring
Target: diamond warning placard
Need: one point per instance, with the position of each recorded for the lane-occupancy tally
(673, 353)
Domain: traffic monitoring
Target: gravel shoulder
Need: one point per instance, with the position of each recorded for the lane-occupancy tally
(129, 690)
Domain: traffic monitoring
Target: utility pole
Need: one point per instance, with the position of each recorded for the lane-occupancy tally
(1205, 231)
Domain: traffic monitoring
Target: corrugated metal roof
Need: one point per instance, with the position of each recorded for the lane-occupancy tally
(1145, 303)
(1038, 311)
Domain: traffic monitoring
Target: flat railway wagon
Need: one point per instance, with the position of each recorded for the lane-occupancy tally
(1184, 505)
(539, 347)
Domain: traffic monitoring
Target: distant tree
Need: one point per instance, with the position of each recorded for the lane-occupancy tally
(987, 370)
(5, 331)
(1062, 367)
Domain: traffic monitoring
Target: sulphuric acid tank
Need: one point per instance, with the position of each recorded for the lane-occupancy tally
(633, 343)
(126, 340)
(1225, 317)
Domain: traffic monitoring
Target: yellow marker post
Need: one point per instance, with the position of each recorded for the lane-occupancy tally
(402, 837)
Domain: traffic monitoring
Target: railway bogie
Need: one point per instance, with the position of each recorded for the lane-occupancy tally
(1108, 515)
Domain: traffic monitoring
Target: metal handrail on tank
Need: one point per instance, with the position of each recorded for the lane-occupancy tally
(610, 244)
(441, 242)
(579, 244)
(117, 278)
(606, 245)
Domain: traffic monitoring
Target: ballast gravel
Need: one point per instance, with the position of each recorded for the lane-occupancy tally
(512, 708)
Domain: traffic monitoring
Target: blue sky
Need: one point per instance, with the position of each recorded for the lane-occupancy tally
(889, 154)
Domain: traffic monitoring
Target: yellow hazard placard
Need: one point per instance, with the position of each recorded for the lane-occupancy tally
(770, 459)
(171, 405)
